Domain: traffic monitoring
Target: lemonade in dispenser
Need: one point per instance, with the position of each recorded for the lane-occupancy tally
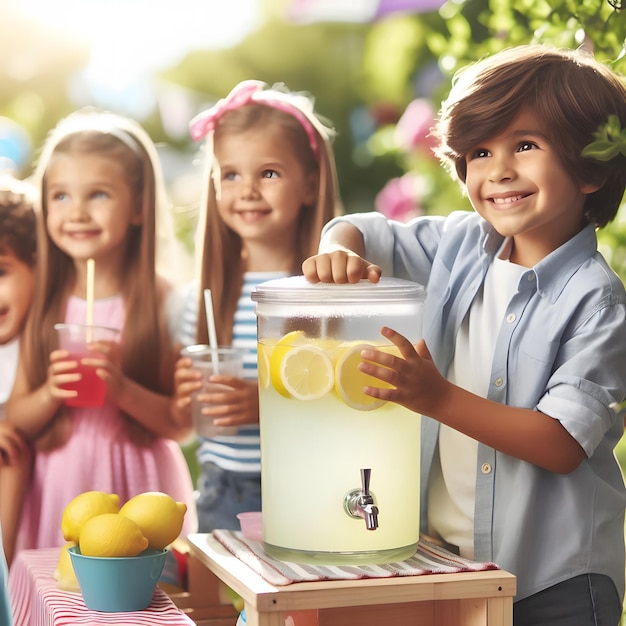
(339, 469)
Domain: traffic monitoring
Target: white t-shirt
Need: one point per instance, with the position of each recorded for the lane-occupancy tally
(452, 487)
(9, 354)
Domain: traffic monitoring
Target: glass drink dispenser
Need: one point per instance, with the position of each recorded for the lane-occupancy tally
(339, 469)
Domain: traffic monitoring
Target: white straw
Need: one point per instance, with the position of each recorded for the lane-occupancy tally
(210, 320)
(90, 295)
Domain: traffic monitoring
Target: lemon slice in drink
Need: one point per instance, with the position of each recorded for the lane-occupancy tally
(306, 373)
(281, 348)
(300, 370)
(350, 380)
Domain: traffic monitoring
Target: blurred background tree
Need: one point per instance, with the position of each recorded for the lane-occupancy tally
(377, 68)
(381, 80)
(462, 32)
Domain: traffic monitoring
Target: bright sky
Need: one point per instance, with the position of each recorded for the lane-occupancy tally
(130, 39)
(131, 36)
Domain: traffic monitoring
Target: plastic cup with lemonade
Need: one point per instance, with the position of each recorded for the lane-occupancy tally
(225, 361)
(75, 338)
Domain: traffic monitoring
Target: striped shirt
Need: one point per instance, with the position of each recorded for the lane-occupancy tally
(240, 452)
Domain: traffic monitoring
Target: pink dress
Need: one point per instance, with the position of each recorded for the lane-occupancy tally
(99, 456)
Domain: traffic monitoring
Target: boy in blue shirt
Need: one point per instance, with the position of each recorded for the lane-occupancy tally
(523, 362)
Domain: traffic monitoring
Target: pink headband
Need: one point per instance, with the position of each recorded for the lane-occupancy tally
(244, 93)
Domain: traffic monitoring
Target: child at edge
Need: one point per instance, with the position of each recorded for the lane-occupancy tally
(100, 184)
(517, 457)
(17, 261)
(270, 186)
(18, 245)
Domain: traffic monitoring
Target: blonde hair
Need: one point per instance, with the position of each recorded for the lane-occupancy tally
(147, 350)
(221, 264)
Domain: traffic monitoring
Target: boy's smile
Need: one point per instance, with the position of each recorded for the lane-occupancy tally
(517, 182)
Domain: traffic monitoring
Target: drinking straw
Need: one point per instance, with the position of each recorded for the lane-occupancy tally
(210, 319)
(90, 295)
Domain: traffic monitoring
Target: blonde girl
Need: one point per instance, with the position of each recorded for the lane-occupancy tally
(101, 188)
(270, 186)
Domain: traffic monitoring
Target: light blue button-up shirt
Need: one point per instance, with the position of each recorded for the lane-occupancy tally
(560, 349)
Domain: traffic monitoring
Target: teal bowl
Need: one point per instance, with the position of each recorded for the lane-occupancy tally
(118, 584)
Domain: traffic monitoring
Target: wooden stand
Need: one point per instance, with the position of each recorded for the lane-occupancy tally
(205, 601)
(464, 599)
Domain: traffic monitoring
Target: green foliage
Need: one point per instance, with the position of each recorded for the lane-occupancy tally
(476, 28)
(393, 48)
(467, 30)
(609, 141)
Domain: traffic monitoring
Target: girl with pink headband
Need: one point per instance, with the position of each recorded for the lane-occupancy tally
(269, 187)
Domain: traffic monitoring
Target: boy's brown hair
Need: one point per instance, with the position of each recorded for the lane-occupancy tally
(571, 94)
(18, 224)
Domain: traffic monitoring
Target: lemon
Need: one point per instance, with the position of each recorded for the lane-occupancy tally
(300, 370)
(281, 348)
(159, 517)
(82, 508)
(64, 572)
(307, 373)
(111, 534)
(349, 380)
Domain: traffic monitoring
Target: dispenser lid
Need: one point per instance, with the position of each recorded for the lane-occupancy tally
(297, 289)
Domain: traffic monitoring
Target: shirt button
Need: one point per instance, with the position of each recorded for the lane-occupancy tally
(498, 382)
(511, 317)
(485, 468)
(530, 277)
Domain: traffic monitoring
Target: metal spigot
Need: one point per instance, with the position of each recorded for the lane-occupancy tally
(359, 503)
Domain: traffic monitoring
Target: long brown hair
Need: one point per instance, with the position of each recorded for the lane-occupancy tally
(570, 92)
(222, 264)
(147, 355)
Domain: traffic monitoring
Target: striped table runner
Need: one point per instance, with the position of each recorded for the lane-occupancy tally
(429, 559)
(37, 601)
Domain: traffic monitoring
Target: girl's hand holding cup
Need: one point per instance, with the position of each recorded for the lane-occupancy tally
(215, 386)
(187, 381)
(87, 362)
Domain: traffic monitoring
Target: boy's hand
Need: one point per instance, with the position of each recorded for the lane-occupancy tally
(417, 383)
(339, 266)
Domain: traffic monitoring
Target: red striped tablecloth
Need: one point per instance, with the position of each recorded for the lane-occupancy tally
(37, 601)
(428, 559)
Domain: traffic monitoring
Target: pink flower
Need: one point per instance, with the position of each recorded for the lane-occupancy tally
(399, 198)
(413, 127)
